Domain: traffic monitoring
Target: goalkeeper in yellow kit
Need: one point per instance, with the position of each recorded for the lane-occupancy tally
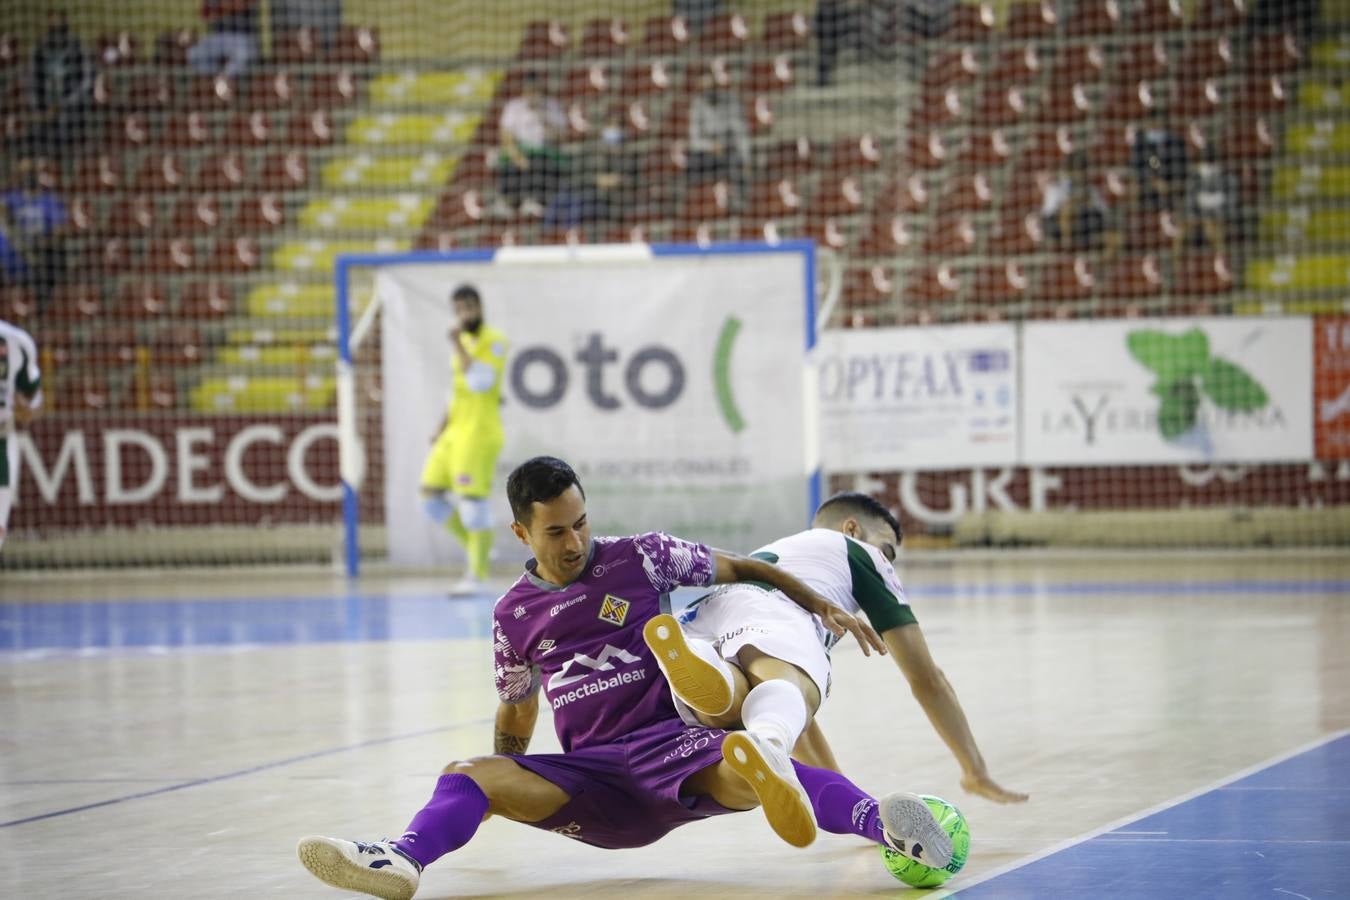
(457, 477)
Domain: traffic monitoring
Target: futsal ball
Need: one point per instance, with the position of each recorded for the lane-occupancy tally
(916, 874)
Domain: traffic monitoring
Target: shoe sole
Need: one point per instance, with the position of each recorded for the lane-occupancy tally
(784, 802)
(694, 681)
(330, 865)
(909, 821)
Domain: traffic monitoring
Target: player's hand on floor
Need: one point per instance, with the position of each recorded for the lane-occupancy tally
(838, 622)
(988, 788)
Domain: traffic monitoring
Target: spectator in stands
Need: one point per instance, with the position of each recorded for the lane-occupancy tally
(531, 166)
(63, 84)
(1211, 203)
(605, 180)
(719, 137)
(30, 248)
(324, 16)
(1075, 214)
(835, 24)
(231, 43)
(1158, 158)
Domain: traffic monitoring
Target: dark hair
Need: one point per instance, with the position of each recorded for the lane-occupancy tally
(854, 503)
(538, 480)
(466, 292)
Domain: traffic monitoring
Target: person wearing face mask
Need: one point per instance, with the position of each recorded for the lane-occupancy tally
(719, 138)
(62, 85)
(610, 180)
(30, 219)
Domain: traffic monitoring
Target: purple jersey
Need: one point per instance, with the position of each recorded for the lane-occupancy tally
(583, 641)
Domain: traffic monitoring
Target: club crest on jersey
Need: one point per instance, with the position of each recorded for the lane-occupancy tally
(614, 610)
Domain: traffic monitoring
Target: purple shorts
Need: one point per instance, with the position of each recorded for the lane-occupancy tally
(627, 793)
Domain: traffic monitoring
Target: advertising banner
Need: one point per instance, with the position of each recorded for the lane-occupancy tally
(674, 385)
(1331, 385)
(1144, 391)
(918, 398)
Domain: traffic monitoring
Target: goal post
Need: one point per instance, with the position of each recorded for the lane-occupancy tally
(675, 378)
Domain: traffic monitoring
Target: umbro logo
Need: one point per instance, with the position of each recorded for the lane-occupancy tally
(546, 645)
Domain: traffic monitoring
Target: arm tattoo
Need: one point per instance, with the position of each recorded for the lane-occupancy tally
(509, 743)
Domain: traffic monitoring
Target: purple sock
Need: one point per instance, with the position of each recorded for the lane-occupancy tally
(446, 823)
(841, 806)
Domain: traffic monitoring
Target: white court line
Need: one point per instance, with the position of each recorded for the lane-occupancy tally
(1134, 817)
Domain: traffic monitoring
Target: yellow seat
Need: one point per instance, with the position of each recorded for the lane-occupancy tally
(1309, 272)
(291, 300)
(1299, 223)
(1315, 96)
(1310, 180)
(397, 129)
(288, 335)
(318, 256)
(366, 213)
(365, 170)
(276, 354)
(471, 87)
(1323, 137)
(1333, 54)
(263, 394)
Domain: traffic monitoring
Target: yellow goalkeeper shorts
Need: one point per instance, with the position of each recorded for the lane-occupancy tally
(461, 464)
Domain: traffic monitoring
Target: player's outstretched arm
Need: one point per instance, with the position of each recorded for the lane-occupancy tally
(938, 699)
(734, 567)
(515, 725)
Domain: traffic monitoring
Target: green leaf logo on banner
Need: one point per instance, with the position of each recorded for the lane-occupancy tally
(1186, 372)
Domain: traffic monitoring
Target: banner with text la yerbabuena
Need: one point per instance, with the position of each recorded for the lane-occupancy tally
(674, 386)
(1167, 391)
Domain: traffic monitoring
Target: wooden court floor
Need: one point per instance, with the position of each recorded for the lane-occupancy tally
(173, 735)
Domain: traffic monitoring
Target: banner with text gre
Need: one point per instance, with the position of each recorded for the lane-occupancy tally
(918, 398)
(674, 385)
(1167, 391)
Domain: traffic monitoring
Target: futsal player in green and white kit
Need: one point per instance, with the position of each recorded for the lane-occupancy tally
(745, 656)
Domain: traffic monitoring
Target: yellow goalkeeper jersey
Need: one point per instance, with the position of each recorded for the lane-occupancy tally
(478, 412)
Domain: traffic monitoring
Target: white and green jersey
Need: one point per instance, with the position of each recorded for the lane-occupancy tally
(850, 574)
(19, 375)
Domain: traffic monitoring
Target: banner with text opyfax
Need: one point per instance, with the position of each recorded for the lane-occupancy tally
(1167, 390)
(910, 398)
(674, 385)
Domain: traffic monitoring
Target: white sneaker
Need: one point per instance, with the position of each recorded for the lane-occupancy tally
(468, 586)
(694, 680)
(769, 773)
(912, 830)
(377, 868)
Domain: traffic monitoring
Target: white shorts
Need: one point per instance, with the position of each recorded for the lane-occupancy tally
(736, 616)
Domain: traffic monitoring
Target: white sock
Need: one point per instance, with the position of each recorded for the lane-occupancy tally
(775, 711)
(708, 653)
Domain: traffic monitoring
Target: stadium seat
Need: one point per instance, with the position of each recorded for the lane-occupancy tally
(112, 255)
(707, 201)
(986, 149)
(1083, 63)
(607, 37)
(1001, 106)
(927, 150)
(209, 299)
(1019, 65)
(1198, 99)
(1148, 231)
(356, 45)
(938, 109)
(973, 22)
(1066, 102)
(785, 32)
(789, 158)
(272, 88)
(333, 89)
(1130, 101)
(223, 172)
(774, 199)
(1032, 20)
(118, 48)
(152, 90)
(1203, 275)
(1247, 138)
(1091, 18)
(1219, 15)
(79, 302)
(1111, 144)
(647, 78)
(18, 305)
(1264, 94)
(141, 299)
(133, 215)
(297, 46)
(1048, 148)
(213, 92)
(544, 40)
(438, 239)
(585, 82)
(664, 36)
(133, 131)
(1017, 233)
(1274, 54)
(1157, 17)
(904, 195)
(931, 285)
(1026, 188)
(768, 75)
(1132, 277)
(829, 233)
(1149, 60)
(867, 287)
(11, 51)
(951, 235)
(969, 192)
(256, 128)
(88, 392)
(238, 254)
(759, 114)
(161, 392)
(886, 236)
(83, 216)
(856, 154)
(260, 213)
(312, 129)
(198, 215)
(187, 130)
(1069, 279)
(180, 345)
(726, 32)
(837, 195)
(172, 255)
(1206, 57)
(171, 47)
(160, 172)
(999, 285)
(952, 68)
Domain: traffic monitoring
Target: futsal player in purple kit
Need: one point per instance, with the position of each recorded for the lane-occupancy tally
(631, 769)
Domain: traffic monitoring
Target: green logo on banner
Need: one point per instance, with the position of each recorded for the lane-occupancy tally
(1186, 372)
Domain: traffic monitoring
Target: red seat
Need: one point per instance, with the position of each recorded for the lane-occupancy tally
(297, 46)
(1148, 231)
(1032, 21)
(700, 233)
(97, 174)
(84, 215)
(237, 254)
(953, 235)
(256, 129)
(17, 304)
(867, 287)
(171, 47)
(1130, 102)
(116, 49)
(260, 213)
(112, 255)
(1018, 65)
(999, 284)
(1248, 138)
(199, 214)
(172, 255)
(1203, 275)
(180, 345)
(457, 209)
(133, 215)
(160, 172)
(224, 172)
(886, 236)
(837, 195)
(855, 154)
(759, 114)
(986, 149)
(1199, 99)
(1017, 233)
(1094, 17)
(904, 195)
(604, 37)
(1264, 94)
(210, 299)
(214, 92)
(646, 78)
(544, 40)
(710, 200)
(1132, 277)
(142, 299)
(1067, 280)
(1206, 57)
(11, 52)
(585, 82)
(1084, 63)
(1066, 102)
(334, 89)
(785, 31)
(134, 130)
(1026, 189)
(356, 45)
(152, 90)
(161, 392)
(829, 233)
(789, 157)
(972, 22)
(664, 36)
(1274, 54)
(113, 346)
(927, 150)
(188, 130)
(1111, 144)
(724, 33)
(1001, 106)
(1144, 61)
(970, 192)
(1157, 16)
(765, 75)
(270, 89)
(774, 199)
(87, 392)
(312, 129)
(952, 68)
(1049, 148)
(932, 285)
(1220, 15)
(937, 109)
(80, 302)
